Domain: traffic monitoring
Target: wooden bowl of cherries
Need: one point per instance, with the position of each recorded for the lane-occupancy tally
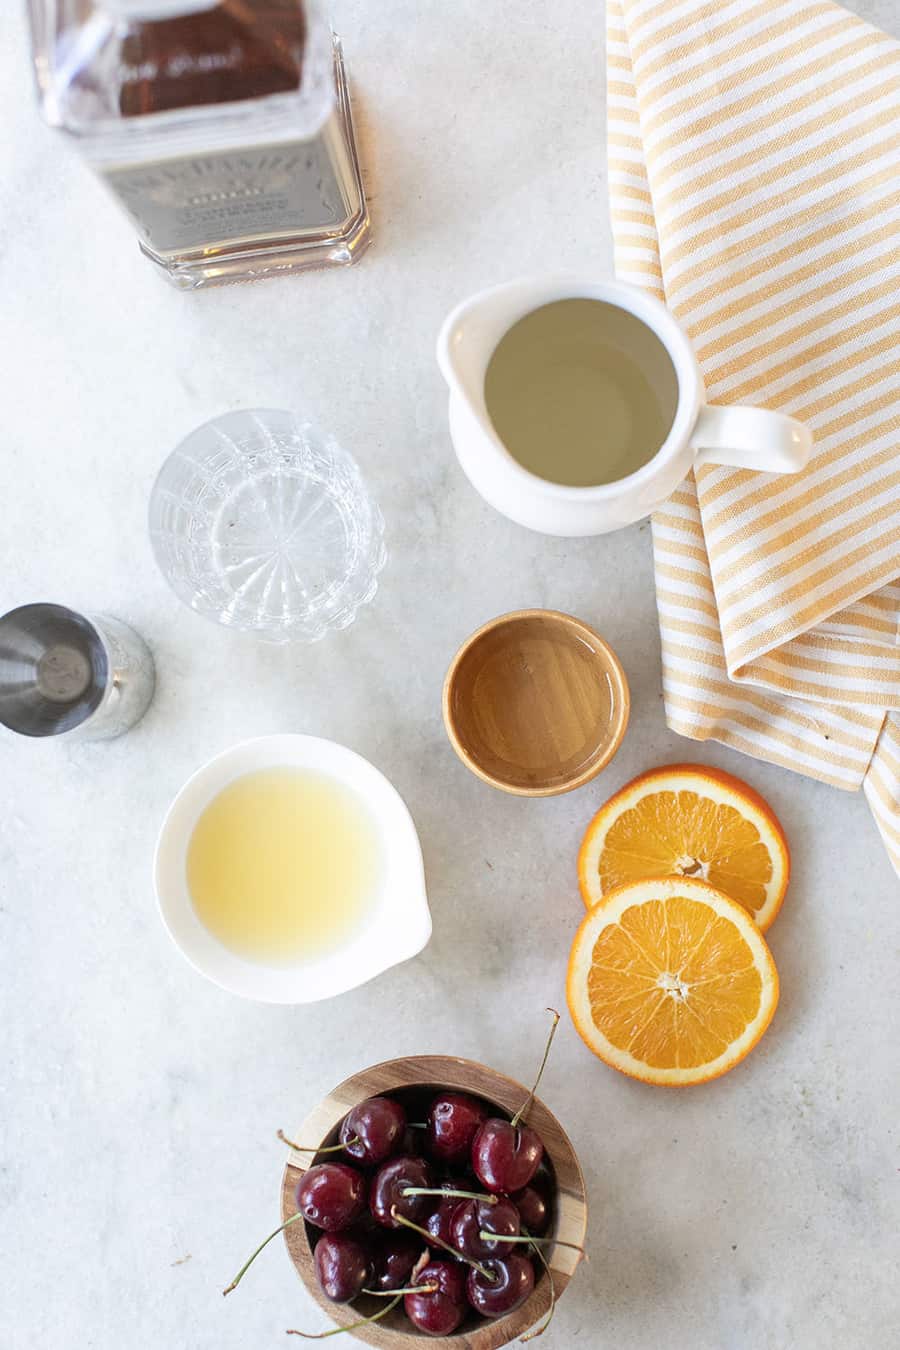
(444, 1203)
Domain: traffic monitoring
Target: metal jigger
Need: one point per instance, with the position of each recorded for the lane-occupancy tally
(62, 673)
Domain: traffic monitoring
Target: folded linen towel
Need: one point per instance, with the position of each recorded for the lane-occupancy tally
(754, 153)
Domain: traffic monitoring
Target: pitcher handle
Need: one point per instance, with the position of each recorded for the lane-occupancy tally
(751, 438)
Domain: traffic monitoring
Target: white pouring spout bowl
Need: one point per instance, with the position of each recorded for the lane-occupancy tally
(396, 927)
(741, 437)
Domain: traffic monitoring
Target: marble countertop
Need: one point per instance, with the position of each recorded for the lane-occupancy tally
(139, 1163)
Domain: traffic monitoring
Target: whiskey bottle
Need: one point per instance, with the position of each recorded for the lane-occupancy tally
(222, 127)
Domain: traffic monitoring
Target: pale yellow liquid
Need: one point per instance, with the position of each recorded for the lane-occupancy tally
(581, 392)
(284, 865)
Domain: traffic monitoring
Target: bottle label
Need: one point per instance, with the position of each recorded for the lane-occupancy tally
(201, 201)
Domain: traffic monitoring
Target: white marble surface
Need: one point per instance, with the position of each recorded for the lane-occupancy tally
(139, 1103)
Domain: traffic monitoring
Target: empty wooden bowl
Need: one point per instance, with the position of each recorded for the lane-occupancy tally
(415, 1078)
(536, 703)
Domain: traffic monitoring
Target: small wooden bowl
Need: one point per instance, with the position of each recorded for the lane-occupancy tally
(536, 703)
(437, 1072)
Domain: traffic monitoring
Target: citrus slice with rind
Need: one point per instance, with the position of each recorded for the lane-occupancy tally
(670, 981)
(689, 820)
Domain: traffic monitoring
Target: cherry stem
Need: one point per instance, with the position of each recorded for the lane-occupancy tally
(331, 1148)
(439, 1242)
(417, 1125)
(451, 1195)
(547, 1241)
(410, 1289)
(539, 1330)
(351, 1326)
(526, 1106)
(244, 1268)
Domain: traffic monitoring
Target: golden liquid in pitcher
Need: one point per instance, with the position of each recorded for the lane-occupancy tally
(581, 392)
(284, 865)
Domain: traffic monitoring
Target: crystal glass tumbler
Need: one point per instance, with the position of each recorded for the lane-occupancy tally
(261, 524)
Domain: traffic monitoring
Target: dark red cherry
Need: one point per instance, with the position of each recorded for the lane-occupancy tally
(342, 1266)
(394, 1258)
(505, 1153)
(505, 1156)
(373, 1130)
(471, 1218)
(534, 1209)
(438, 1222)
(452, 1122)
(331, 1195)
(513, 1281)
(388, 1185)
(439, 1312)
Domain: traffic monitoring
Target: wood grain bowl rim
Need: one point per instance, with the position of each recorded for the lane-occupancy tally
(620, 712)
(463, 1075)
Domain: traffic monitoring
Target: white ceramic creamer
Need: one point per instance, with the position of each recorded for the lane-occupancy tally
(742, 437)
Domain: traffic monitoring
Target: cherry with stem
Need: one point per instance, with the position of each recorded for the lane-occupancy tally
(439, 1242)
(511, 1286)
(373, 1130)
(331, 1195)
(440, 1313)
(506, 1154)
(482, 1230)
(346, 1176)
(390, 1190)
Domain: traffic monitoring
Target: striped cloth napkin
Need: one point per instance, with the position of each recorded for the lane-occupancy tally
(754, 152)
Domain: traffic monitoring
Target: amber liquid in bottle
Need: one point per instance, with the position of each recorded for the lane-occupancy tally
(221, 55)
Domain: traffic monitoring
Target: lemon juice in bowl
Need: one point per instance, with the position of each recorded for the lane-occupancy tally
(288, 869)
(283, 864)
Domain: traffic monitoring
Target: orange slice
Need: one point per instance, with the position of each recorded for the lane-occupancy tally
(688, 820)
(670, 981)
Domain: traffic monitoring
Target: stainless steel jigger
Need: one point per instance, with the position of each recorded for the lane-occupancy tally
(62, 673)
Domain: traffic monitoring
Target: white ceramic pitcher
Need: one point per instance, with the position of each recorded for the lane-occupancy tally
(743, 437)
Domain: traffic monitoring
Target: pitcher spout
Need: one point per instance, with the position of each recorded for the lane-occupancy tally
(462, 352)
(471, 332)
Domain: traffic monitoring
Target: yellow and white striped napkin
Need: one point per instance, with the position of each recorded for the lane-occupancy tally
(754, 152)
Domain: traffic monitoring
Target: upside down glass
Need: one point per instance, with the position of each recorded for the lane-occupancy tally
(263, 525)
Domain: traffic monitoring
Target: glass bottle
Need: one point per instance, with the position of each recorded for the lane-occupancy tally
(222, 127)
